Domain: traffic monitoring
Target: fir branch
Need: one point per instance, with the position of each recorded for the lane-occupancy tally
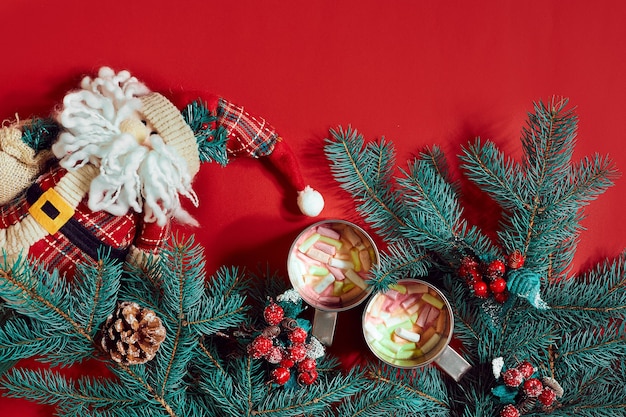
(210, 139)
(21, 338)
(313, 400)
(401, 259)
(39, 133)
(48, 387)
(365, 171)
(599, 347)
(435, 221)
(496, 175)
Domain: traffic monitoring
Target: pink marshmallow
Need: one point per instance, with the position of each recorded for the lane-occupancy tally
(423, 315)
(328, 232)
(432, 316)
(325, 247)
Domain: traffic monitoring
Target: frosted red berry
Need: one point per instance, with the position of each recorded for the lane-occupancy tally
(298, 335)
(509, 410)
(526, 368)
(281, 375)
(501, 297)
(286, 363)
(512, 378)
(296, 352)
(496, 268)
(307, 378)
(498, 285)
(480, 289)
(469, 262)
(275, 355)
(516, 259)
(260, 347)
(273, 314)
(547, 397)
(533, 387)
(307, 365)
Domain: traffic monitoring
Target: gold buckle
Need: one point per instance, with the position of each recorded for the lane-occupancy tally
(52, 224)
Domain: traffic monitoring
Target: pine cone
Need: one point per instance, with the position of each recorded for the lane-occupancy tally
(131, 335)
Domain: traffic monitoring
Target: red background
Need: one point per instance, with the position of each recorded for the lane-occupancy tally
(417, 72)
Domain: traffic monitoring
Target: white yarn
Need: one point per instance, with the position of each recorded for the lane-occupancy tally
(145, 179)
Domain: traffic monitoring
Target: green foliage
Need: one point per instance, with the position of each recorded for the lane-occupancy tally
(211, 139)
(39, 133)
(203, 369)
(576, 336)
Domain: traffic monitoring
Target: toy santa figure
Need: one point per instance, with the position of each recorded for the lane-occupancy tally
(125, 156)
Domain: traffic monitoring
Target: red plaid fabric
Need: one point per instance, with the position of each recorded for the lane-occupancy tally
(57, 251)
(247, 134)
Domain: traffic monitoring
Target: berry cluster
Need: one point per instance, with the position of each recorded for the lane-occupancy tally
(283, 343)
(487, 278)
(531, 390)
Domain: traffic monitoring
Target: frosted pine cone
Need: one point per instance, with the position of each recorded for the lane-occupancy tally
(131, 335)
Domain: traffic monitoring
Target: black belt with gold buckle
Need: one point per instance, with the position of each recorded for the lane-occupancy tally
(54, 214)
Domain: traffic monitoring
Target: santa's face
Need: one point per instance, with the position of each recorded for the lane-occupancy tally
(104, 126)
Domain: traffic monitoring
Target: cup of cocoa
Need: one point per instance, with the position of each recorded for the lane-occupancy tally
(329, 264)
(410, 325)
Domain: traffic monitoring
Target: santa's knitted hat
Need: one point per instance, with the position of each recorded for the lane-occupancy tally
(227, 126)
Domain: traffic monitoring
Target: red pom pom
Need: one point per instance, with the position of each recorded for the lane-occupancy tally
(260, 347)
(273, 314)
(512, 378)
(281, 375)
(547, 397)
(480, 289)
(307, 378)
(498, 285)
(307, 365)
(298, 335)
(533, 387)
(496, 269)
(516, 259)
(509, 410)
(526, 368)
(296, 353)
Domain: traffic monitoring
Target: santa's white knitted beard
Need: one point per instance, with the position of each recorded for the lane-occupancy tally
(146, 177)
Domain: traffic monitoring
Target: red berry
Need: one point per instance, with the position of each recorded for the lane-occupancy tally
(526, 368)
(516, 259)
(533, 387)
(281, 375)
(275, 355)
(509, 410)
(307, 378)
(496, 269)
(501, 297)
(273, 314)
(298, 335)
(468, 261)
(287, 363)
(296, 352)
(307, 365)
(547, 397)
(512, 377)
(205, 126)
(480, 289)
(260, 347)
(498, 285)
